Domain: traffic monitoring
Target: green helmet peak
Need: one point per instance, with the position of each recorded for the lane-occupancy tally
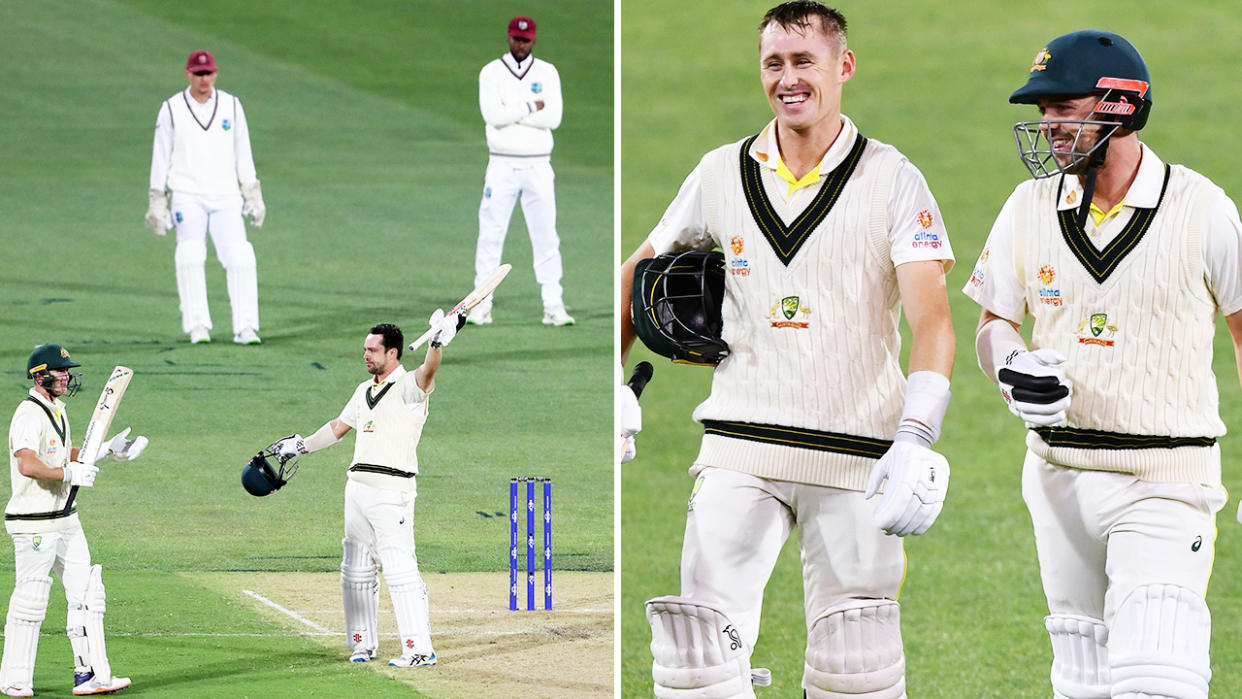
(1089, 62)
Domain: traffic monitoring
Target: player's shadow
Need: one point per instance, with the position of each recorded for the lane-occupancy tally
(247, 664)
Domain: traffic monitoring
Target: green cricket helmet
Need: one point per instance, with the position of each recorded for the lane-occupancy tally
(260, 478)
(1087, 62)
(43, 359)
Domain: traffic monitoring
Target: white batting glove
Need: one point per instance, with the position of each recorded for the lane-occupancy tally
(630, 417)
(159, 220)
(290, 446)
(1035, 387)
(122, 448)
(918, 479)
(444, 328)
(80, 474)
(253, 206)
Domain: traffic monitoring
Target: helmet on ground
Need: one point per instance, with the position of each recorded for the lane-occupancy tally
(43, 359)
(259, 478)
(676, 306)
(1087, 62)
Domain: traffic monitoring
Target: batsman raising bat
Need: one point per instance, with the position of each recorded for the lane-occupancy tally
(388, 411)
(46, 472)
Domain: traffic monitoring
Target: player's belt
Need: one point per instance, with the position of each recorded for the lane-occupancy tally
(800, 437)
(1099, 439)
(43, 515)
(386, 470)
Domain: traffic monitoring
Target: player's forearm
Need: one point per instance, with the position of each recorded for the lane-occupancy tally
(425, 375)
(547, 118)
(932, 347)
(628, 334)
(245, 157)
(161, 158)
(996, 339)
(326, 436)
(1234, 322)
(495, 112)
(31, 466)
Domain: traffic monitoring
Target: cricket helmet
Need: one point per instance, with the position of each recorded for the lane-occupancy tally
(44, 358)
(259, 478)
(676, 306)
(1087, 62)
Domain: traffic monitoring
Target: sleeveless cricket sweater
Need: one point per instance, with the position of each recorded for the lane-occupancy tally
(1136, 321)
(388, 431)
(204, 157)
(38, 506)
(812, 390)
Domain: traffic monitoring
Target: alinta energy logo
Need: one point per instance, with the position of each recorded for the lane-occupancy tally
(1048, 296)
(738, 266)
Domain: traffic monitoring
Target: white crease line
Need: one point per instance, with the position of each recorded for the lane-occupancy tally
(291, 614)
(436, 634)
(434, 611)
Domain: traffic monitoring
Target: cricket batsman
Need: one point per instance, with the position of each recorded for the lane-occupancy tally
(1123, 261)
(42, 518)
(388, 411)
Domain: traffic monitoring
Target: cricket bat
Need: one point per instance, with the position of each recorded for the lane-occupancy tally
(472, 299)
(105, 409)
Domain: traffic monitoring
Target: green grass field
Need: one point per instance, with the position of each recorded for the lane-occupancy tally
(366, 133)
(933, 80)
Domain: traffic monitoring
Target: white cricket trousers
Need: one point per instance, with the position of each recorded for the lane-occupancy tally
(506, 180)
(379, 518)
(63, 552)
(1100, 535)
(195, 216)
(737, 523)
(383, 521)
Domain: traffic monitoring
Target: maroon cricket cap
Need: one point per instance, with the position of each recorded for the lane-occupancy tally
(522, 28)
(199, 61)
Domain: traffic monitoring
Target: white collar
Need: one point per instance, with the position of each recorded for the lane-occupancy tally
(392, 378)
(1144, 192)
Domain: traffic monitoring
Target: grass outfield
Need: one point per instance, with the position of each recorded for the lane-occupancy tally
(933, 80)
(365, 127)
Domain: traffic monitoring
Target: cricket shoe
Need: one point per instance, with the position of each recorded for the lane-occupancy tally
(18, 690)
(200, 336)
(414, 660)
(247, 337)
(97, 686)
(557, 316)
(362, 654)
(479, 317)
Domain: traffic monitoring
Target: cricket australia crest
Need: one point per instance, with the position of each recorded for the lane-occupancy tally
(789, 312)
(1096, 330)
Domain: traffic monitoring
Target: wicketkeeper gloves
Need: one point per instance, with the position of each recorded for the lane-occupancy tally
(253, 206)
(159, 220)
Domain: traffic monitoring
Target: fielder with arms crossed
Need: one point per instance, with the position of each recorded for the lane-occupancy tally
(201, 151)
(806, 420)
(520, 98)
(47, 537)
(1122, 261)
(388, 411)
